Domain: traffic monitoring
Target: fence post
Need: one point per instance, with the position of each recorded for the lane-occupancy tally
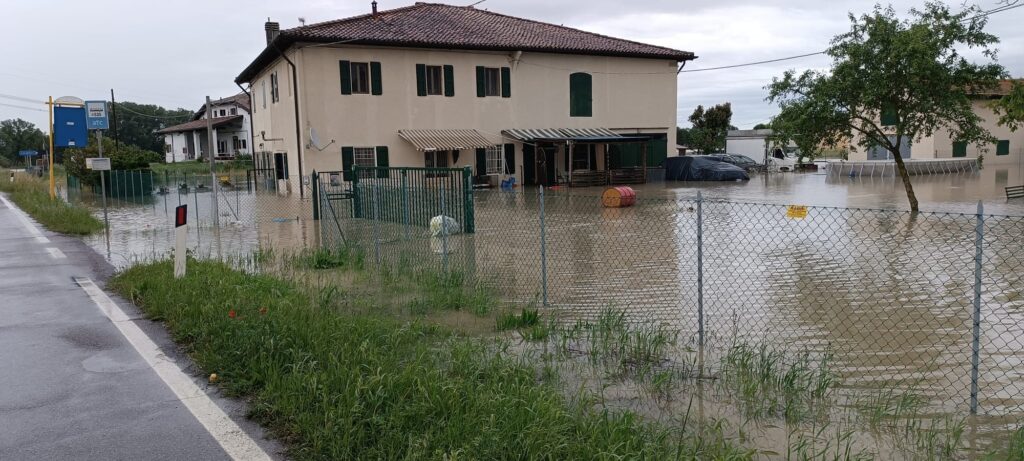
(357, 209)
(543, 253)
(405, 202)
(979, 237)
(700, 269)
(314, 182)
(444, 230)
(376, 226)
(467, 206)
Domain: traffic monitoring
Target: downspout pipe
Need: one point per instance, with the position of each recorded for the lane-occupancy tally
(298, 128)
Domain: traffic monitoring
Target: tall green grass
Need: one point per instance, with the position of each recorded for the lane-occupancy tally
(339, 385)
(32, 195)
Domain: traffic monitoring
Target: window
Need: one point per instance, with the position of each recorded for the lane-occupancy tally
(184, 150)
(959, 149)
(495, 160)
(360, 78)
(436, 159)
(582, 157)
(435, 80)
(889, 117)
(222, 146)
(245, 144)
(273, 88)
(235, 143)
(580, 95)
(263, 84)
(223, 113)
(1003, 147)
(234, 111)
(492, 82)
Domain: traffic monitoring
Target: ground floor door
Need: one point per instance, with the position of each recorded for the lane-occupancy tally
(529, 165)
(880, 153)
(280, 165)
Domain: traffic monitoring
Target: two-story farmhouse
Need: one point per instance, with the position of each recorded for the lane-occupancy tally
(187, 141)
(438, 85)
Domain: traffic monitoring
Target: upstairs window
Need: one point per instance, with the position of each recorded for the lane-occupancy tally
(234, 111)
(1003, 147)
(274, 95)
(493, 81)
(435, 80)
(959, 149)
(581, 95)
(360, 77)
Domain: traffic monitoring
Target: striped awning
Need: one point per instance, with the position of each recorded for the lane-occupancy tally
(564, 134)
(453, 139)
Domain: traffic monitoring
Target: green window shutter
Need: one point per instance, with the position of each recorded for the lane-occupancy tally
(346, 77)
(376, 87)
(348, 160)
(449, 80)
(510, 159)
(580, 95)
(889, 117)
(481, 161)
(959, 149)
(480, 77)
(421, 79)
(382, 161)
(1003, 147)
(506, 82)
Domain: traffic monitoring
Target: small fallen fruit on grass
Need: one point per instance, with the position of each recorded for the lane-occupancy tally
(214, 378)
(231, 313)
(263, 311)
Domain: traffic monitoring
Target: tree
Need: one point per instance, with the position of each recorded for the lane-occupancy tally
(684, 136)
(1010, 107)
(710, 127)
(17, 135)
(892, 80)
(761, 126)
(124, 157)
(137, 124)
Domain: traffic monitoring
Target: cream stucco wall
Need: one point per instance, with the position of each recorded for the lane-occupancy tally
(630, 95)
(940, 143)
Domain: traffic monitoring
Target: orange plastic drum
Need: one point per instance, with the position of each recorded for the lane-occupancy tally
(618, 197)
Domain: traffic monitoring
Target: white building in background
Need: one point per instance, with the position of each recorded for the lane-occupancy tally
(231, 123)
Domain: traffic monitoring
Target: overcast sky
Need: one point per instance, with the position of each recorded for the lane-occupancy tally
(175, 53)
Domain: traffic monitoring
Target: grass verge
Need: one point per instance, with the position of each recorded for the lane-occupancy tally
(338, 385)
(32, 195)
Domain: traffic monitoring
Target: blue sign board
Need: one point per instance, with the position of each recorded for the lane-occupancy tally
(69, 129)
(28, 153)
(96, 115)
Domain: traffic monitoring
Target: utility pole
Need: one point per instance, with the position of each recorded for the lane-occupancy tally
(210, 142)
(53, 189)
(113, 116)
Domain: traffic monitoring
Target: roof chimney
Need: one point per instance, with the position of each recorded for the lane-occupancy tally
(374, 5)
(272, 29)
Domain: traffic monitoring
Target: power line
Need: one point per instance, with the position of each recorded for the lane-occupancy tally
(19, 98)
(22, 107)
(1015, 4)
(121, 106)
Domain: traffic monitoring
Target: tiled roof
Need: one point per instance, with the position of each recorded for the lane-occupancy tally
(1002, 88)
(241, 99)
(200, 124)
(434, 25)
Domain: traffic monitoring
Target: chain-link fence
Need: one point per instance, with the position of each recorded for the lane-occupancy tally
(928, 302)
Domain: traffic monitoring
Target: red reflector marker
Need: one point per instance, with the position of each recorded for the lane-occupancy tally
(180, 215)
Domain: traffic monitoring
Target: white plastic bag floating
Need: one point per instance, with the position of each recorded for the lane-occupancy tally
(451, 226)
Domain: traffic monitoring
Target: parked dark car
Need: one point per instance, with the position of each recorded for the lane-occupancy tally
(741, 161)
(702, 168)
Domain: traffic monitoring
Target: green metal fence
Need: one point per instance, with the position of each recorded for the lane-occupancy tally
(128, 185)
(408, 196)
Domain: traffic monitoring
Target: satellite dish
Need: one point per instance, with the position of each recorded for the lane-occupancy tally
(314, 138)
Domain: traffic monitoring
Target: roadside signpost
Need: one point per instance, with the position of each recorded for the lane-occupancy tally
(180, 239)
(95, 114)
(67, 129)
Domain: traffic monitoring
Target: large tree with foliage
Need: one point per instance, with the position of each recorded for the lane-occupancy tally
(17, 135)
(908, 73)
(1010, 107)
(137, 124)
(710, 127)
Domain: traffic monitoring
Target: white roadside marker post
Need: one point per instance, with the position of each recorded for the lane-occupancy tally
(180, 239)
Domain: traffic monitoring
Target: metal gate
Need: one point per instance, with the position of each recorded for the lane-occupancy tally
(406, 196)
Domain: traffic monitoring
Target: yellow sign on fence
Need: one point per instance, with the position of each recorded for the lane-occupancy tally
(796, 211)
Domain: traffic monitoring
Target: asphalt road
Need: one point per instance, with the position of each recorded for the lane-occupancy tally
(72, 386)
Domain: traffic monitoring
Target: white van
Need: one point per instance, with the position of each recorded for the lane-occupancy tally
(782, 160)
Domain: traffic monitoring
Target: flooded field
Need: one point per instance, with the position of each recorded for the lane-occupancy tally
(886, 297)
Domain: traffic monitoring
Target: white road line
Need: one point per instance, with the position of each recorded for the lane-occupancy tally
(24, 220)
(232, 438)
(55, 253)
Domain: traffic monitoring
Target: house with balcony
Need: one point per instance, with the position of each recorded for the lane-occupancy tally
(230, 124)
(435, 85)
